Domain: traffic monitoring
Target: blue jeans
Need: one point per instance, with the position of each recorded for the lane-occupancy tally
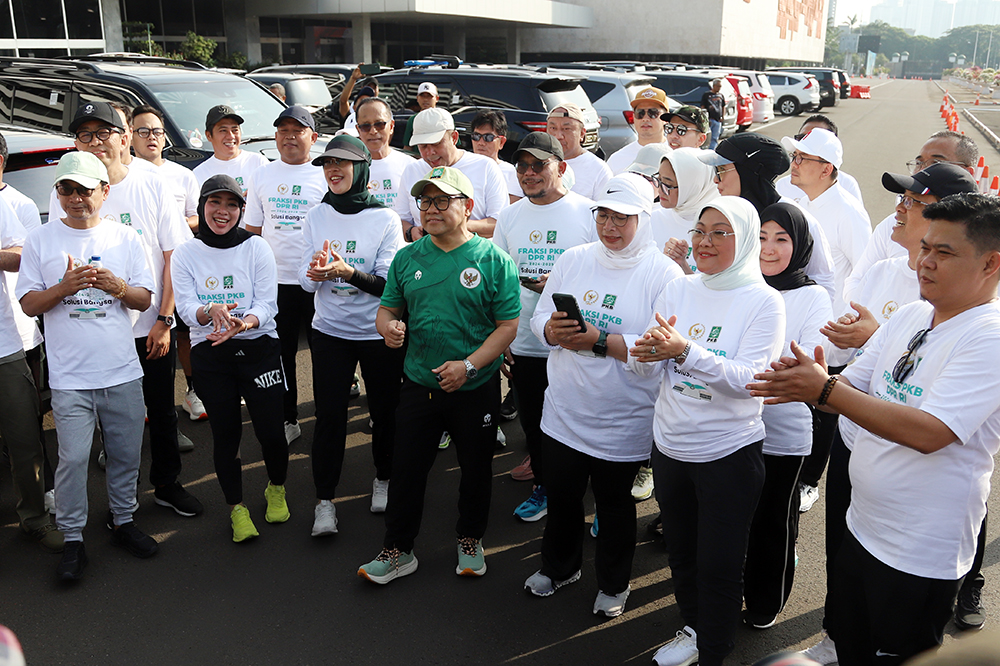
(120, 411)
(716, 127)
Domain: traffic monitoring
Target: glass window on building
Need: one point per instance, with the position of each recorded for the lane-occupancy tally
(210, 18)
(39, 19)
(142, 11)
(6, 27)
(83, 19)
(178, 18)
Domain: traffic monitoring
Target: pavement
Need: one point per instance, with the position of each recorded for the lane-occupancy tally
(288, 598)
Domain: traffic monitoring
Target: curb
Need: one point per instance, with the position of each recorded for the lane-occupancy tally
(983, 129)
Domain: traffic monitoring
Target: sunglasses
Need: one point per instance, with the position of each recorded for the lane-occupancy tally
(652, 114)
(68, 190)
(367, 127)
(681, 130)
(536, 167)
(906, 363)
(488, 138)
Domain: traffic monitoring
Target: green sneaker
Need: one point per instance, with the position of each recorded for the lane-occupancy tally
(243, 527)
(277, 508)
(471, 561)
(390, 564)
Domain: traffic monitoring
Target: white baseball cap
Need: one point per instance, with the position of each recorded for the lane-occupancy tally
(427, 87)
(431, 125)
(819, 142)
(628, 194)
(647, 160)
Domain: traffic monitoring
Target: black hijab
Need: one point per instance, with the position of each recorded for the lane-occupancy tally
(235, 235)
(758, 160)
(358, 198)
(790, 218)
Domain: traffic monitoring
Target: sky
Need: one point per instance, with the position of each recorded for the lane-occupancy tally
(847, 8)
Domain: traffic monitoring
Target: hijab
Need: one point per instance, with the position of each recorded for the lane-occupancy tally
(695, 182)
(358, 198)
(758, 160)
(236, 234)
(790, 218)
(745, 268)
(757, 188)
(630, 187)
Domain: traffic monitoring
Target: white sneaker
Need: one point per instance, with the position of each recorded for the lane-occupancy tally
(292, 431)
(50, 502)
(808, 497)
(193, 406)
(642, 487)
(102, 459)
(824, 652)
(681, 651)
(325, 522)
(380, 495)
(501, 439)
(611, 606)
(184, 443)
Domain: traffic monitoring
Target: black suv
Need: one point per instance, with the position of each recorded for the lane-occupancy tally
(829, 82)
(523, 94)
(45, 94)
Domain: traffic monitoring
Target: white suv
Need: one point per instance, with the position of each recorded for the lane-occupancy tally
(793, 92)
(760, 90)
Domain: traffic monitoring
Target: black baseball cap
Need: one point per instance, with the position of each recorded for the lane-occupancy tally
(102, 111)
(367, 91)
(346, 147)
(540, 145)
(938, 179)
(298, 114)
(760, 154)
(217, 113)
(692, 114)
(222, 183)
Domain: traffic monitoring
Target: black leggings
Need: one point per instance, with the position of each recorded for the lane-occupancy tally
(295, 311)
(251, 369)
(530, 379)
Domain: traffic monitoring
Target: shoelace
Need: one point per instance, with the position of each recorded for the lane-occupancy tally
(536, 498)
(468, 546)
(643, 475)
(390, 555)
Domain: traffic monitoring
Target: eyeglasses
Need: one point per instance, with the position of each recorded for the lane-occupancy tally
(918, 164)
(908, 201)
(721, 170)
(652, 114)
(799, 137)
(144, 132)
(663, 187)
(681, 130)
(335, 161)
(102, 134)
(603, 216)
(68, 190)
(537, 167)
(440, 202)
(367, 127)
(799, 158)
(488, 138)
(906, 363)
(714, 237)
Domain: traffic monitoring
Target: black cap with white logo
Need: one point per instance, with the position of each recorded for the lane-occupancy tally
(100, 111)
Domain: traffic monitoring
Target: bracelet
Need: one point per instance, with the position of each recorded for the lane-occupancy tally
(120, 294)
(827, 389)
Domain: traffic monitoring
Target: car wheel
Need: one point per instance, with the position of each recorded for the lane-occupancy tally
(789, 106)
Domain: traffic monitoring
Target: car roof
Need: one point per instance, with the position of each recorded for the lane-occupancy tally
(27, 139)
(497, 71)
(282, 76)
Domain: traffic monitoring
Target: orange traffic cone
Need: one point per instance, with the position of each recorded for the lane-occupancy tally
(977, 100)
(978, 171)
(984, 181)
(995, 186)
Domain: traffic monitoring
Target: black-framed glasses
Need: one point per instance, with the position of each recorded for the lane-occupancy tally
(441, 202)
(102, 134)
(907, 362)
(67, 190)
(681, 130)
(602, 216)
(799, 158)
(488, 138)
(663, 187)
(335, 161)
(537, 167)
(145, 132)
(717, 236)
(918, 164)
(367, 127)
(652, 114)
(908, 201)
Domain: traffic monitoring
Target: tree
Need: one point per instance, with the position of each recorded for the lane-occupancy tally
(199, 49)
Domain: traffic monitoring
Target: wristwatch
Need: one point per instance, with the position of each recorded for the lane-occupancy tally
(166, 319)
(470, 370)
(600, 348)
(680, 358)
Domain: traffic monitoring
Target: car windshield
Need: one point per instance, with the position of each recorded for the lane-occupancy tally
(575, 96)
(308, 92)
(35, 183)
(187, 103)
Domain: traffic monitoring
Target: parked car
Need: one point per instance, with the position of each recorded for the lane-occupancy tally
(31, 162)
(686, 87)
(308, 91)
(744, 102)
(845, 84)
(794, 92)
(760, 88)
(829, 82)
(524, 94)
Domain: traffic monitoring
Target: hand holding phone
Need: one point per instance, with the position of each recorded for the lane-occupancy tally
(567, 303)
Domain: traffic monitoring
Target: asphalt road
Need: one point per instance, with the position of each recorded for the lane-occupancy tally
(288, 598)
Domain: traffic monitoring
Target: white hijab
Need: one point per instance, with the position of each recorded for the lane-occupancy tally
(695, 182)
(643, 242)
(745, 268)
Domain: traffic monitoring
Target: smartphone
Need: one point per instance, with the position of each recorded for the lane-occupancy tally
(567, 303)
(369, 69)
(527, 279)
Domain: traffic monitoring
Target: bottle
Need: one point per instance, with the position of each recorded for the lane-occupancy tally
(93, 293)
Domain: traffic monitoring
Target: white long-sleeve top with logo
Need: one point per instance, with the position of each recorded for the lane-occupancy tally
(241, 168)
(593, 405)
(880, 246)
(535, 236)
(143, 202)
(886, 287)
(11, 236)
(89, 339)
(591, 174)
(489, 188)
(26, 213)
(704, 411)
(278, 200)
(921, 513)
(668, 224)
(788, 427)
(245, 274)
(368, 241)
(385, 181)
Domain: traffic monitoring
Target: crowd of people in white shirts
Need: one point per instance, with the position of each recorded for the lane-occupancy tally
(675, 322)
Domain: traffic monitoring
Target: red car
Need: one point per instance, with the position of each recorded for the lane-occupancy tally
(744, 101)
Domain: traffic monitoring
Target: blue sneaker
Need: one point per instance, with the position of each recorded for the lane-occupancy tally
(535, 507)
(594, 528)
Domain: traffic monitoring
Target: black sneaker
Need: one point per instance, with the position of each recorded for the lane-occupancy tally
(969, 612)
(508, 409)
(73, 561)
(129, 537)
(175, 497)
